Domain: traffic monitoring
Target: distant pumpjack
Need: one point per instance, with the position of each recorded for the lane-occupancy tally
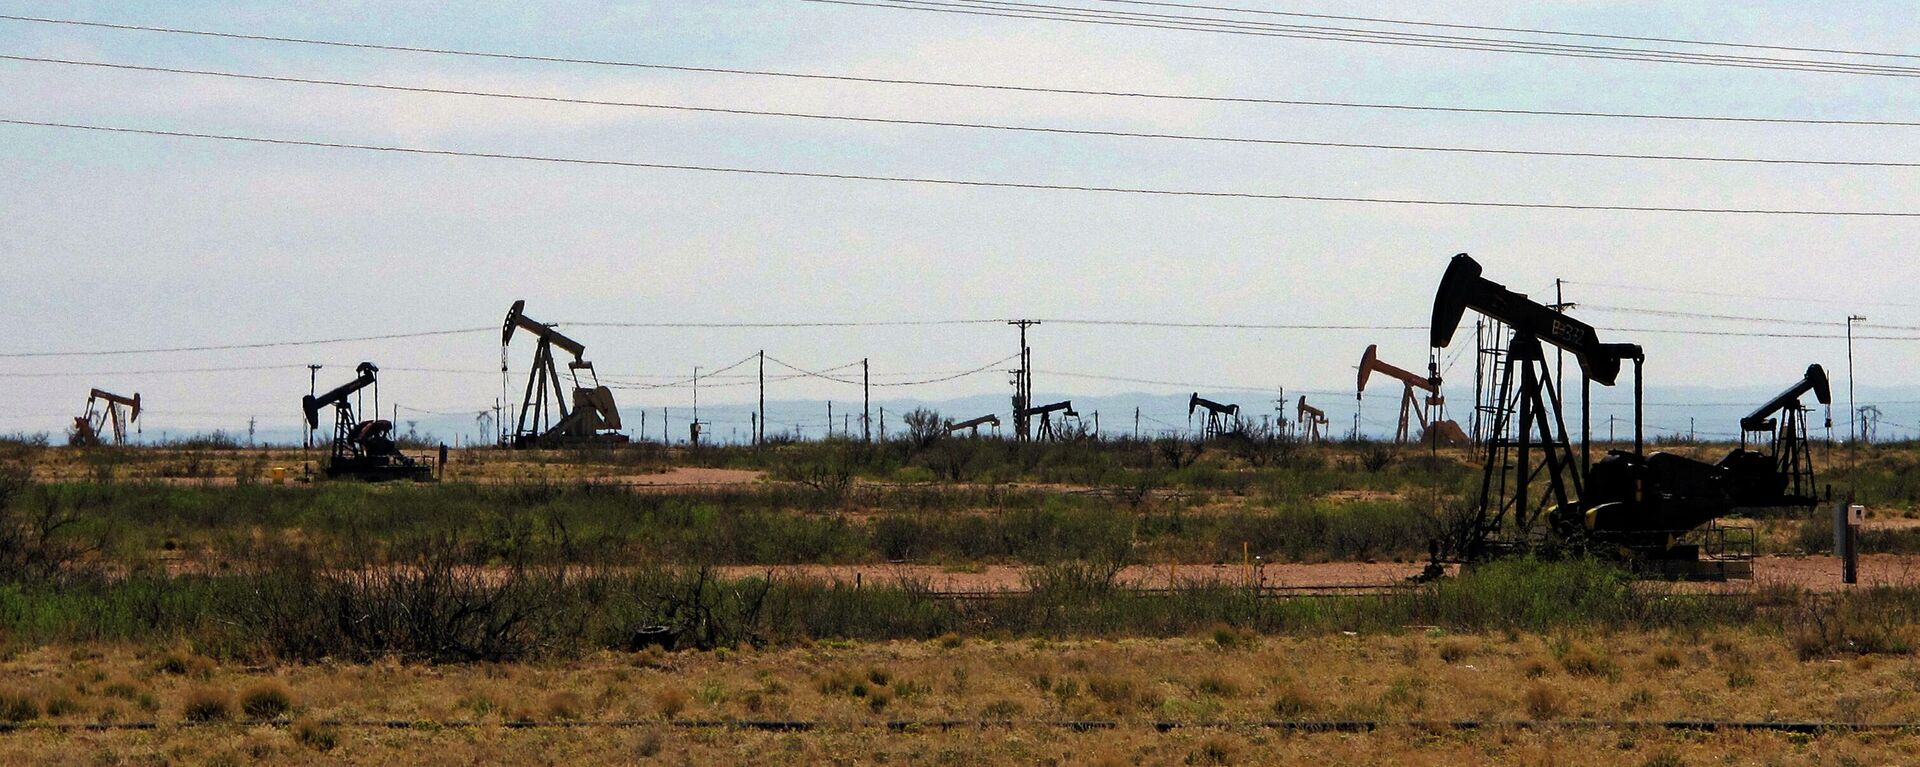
(1412, 407)
(362, 449)
(973, 424)
(1783, 474)
(1312, 420)
(1221, 419)
(543, 422)
(1046, 431)
(106, 411)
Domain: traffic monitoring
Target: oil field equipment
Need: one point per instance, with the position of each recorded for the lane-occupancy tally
(1312, 420)
(1412, 407)
(1537, 493)
(1782, 474)
(1046, 429)
(973, 424)
(362, 450)
(1222, 420)
(548, 422)
(106, 411)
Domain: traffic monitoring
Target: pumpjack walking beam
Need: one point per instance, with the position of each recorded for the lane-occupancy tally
(973, 424)
(545, 422)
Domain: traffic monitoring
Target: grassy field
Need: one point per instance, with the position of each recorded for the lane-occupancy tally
(173, 605)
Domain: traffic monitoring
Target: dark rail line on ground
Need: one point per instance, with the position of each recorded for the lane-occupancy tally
(1803, 727)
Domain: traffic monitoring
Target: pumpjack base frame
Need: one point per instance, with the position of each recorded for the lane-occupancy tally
(381, 469)
(537, 442)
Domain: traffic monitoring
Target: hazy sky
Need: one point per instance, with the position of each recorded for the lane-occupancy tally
(120, 241)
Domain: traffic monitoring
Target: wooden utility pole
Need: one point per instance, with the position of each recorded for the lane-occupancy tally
(313, 390)
(866, 403)
(760, 428)
(1023, 383)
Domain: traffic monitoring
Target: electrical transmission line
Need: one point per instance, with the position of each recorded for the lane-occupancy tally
(1080, 15)
(953, 84)
(1522, 30)
(967, 183)
(1054, 130)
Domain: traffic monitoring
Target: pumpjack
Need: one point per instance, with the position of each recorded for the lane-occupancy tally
(973, 424)
(594, 419)
(363, 450)
(1222, 419)
(1412, 407)
(1782, 474)
(105, 411)
(1537, 494)
(1312, 420)
(1045, 412)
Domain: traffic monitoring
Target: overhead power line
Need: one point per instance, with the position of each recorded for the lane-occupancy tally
(263, 345)
(1523, 30)
(1000, 87)
(160, 371)
(1749, 296)
(1180, 384)
(1081, 15)
(1084, 132)
(969, 183)
(825, 324)
(1737, 317)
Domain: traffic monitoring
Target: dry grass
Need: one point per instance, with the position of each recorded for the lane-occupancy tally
(266, 699)
(1408, 677)
(206, 704)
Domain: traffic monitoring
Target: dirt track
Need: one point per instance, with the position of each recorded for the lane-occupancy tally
(1819, 573)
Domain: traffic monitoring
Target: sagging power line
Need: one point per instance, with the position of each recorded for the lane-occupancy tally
(1188, 23)
(1003, 127)
(961, 183)
(966, 85)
